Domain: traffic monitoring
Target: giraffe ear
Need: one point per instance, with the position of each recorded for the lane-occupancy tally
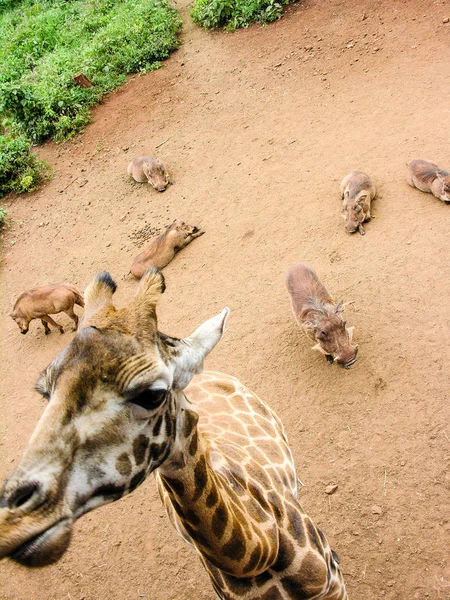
(98, 295)
(151, 286)
(191, 351)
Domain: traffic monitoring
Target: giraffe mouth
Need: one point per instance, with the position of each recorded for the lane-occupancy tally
(45, 548)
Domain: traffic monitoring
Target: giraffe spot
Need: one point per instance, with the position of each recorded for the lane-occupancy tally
(263, 578)
(195, 535)
(272, 594)
(193, 444)
(200, 478)
(277, 507)
(156, 450)
(312, 535)
(140, 446)
(190, 421)
(123, 464)
(111, 491)
(253, 560)
(175, 485)
(258, 495)
(168, 424)
(157, 427)
(137, 480)
(225, 387)
(219, 521)
(240, 587)
(235, 548)
(191, 517)
(286, 554)
(309, 581)
(295, 525)
(212, 498)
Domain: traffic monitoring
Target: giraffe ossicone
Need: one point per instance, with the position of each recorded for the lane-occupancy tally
(125, 400)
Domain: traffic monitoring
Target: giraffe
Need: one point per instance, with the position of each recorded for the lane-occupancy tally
(125, 400)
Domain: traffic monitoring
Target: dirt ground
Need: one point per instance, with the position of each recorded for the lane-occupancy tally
(257, 128)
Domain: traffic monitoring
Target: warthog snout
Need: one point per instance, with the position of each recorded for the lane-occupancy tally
(347, 359)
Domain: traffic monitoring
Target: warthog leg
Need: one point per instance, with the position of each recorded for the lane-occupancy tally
(47, 319)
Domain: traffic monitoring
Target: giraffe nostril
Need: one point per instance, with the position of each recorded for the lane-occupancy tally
(22, 494)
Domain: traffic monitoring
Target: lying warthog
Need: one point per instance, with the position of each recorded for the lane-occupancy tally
(358, 191)
(45, 300)
(426, 176)
(164, 247)
(148, 169)
(319, 315)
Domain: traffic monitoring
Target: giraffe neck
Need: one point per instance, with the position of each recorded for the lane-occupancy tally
(234, 534)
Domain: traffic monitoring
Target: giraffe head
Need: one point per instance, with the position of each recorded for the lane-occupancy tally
(114, 395)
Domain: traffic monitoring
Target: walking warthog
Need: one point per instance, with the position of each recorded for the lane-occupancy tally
(319, 316)
(358, 191)
(164, 247)
(426, 176)
(148, 169)
(45, 300)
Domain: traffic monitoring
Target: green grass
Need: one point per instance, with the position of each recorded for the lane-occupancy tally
(233, 14)
(43, 43)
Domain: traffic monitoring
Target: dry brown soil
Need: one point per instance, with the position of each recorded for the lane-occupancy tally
(257, 128)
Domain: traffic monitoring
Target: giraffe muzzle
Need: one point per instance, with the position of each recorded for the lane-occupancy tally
(45, 548)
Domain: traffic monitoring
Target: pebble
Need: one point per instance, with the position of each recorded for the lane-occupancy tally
(446, 20)
(377, 510)
(330, 489)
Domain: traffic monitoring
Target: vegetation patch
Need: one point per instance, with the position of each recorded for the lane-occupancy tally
(233, 14)
(44, 43)
(20, 169)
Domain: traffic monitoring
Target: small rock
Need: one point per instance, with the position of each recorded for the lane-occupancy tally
(377, 510)
(125, 148)
(351, 45)
(446, 20)
(330, 489)
(278, 65)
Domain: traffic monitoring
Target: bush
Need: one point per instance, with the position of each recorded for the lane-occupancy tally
(3, 215)
(43, 43)
(20, 170)
(233, 14)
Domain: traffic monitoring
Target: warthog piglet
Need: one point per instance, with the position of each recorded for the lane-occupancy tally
(426, 176)
(358, 191)
(164, 247)
(45, 300)
(145, 169)
(320, 316)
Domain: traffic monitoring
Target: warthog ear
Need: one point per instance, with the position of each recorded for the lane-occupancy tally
(339, 307)
(98, 296)
(188, 354)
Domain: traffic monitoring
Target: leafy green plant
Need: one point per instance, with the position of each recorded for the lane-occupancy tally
(3, 215)
(20, 169)
(43, 43)
(233, 14)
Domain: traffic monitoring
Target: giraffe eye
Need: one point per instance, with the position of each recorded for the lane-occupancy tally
(150, 398)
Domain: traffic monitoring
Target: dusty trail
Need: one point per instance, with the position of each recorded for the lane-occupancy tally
(257, 129)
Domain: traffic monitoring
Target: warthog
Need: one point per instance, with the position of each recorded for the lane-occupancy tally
(358, 191)
(319, 316)
(164, 247)
(45, 300)
(426, 176)
(145, 169)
